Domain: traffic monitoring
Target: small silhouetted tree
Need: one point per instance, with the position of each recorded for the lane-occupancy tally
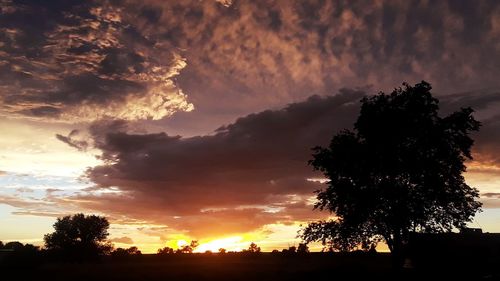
(188, 249)
(222, 251)
(253, 248)
(79, 237)
(302, 248)
(399, 170)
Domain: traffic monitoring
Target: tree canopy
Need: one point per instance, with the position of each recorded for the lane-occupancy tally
(79, 236)
(398, 171)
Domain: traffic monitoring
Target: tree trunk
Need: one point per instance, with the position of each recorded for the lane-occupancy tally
(397, 253)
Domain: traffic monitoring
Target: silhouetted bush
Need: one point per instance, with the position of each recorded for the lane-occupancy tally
(165, 251)
(121, 253)
(78, 238)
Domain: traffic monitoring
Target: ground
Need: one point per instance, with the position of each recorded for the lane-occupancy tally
(263, 266)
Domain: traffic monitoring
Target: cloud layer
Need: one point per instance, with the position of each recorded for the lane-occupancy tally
(82, 61)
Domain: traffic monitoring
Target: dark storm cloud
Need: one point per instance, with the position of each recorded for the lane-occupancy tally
(83, 60)
(245, 175)
(71, 141)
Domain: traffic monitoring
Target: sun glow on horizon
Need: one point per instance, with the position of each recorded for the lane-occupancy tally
(233, 243)
(181, 243)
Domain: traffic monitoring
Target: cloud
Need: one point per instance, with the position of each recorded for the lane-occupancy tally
(30, 205)
(247, 174)
(491, 195)
(71, 141)
(122, 240)
(226, 3)
(82, 61)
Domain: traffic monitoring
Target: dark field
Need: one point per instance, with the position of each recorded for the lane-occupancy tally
(265, 266)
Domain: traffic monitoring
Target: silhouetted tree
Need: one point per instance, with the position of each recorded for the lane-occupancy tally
(123, 253)
(253, 248)
(222, 251)
(399, 170)
(79, 237)
(165, 251)
(302, 248)
(188, 249)
(134, 251)
(14, 246)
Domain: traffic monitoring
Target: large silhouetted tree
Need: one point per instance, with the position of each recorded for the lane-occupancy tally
(79, 237)
(399, 171)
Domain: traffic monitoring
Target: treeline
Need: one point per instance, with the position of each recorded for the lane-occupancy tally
(83, 238)
(19, 255)
(252, 249)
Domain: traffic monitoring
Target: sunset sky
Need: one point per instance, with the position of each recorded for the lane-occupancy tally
(181, 120)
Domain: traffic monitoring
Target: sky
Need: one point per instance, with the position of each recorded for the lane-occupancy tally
(182, 120)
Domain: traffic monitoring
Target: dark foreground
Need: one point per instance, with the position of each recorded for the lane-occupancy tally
(264, 266)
